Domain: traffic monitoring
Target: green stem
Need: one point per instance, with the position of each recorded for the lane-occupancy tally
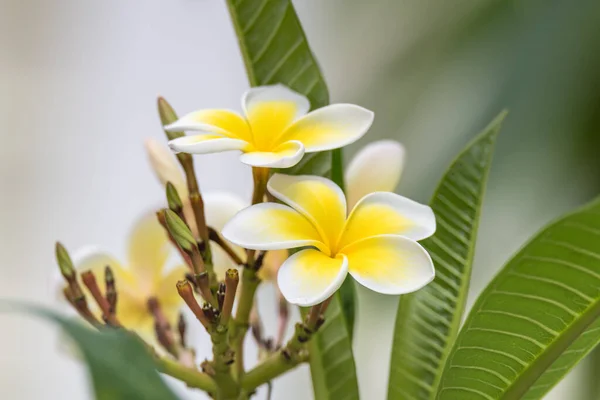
(242, 317)
(192, 377)
(227, 387)
(269, 369)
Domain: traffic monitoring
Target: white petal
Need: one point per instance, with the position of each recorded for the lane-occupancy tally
(93, 258)
(284, 156)
(257, 96)
(330, 127)
(318, 199)
(204, 144)
(165, 166)
(220, 207)
(376, 168)
(309, 277)
(383, 213)
(390, 264)
(271, 226)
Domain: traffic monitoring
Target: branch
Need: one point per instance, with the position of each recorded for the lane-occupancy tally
(190, 376)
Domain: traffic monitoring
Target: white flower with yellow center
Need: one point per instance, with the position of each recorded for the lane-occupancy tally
(276, 129)
(376, 243)
(145, 277)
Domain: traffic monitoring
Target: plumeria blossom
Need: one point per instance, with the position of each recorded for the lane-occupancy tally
(376, 243)
(146, 276)
(276, 128)
(219, 207)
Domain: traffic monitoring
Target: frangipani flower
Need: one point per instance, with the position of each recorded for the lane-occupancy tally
(276, 129)
(145, 277)
(219, 208)
(376, 243)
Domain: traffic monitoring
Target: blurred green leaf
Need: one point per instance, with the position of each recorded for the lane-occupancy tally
(312, 164)
(428, 320)
(275, 50)
(527, 325)
(118, 362)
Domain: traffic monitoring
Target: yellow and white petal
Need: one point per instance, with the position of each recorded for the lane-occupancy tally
(285, 155)
(165, 290)
(148, 250)
(223, 122)
(271, 226)
(220, 207)
(390, 264)
(270, 110)
(383, 213)
(330, 127)
(207, 143)
(271, 264)
(165, 166)
(318, 199)
(375, 168)
(309, 277)
(95, 259)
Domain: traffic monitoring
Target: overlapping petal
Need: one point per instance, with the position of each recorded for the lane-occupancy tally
(285, 155)
(270, 110)
(330, 127)
(270, 226)
(376, 168)
(220, 207)
(389, 264)
(149, 248)
(318, 199)
(309, 277)
(222, 122)
(206, 143)
(165, 166)
(384, 213)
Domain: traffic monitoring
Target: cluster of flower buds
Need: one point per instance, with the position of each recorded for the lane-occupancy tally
(217, 237)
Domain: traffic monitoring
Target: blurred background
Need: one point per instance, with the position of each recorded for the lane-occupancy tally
(78, 85)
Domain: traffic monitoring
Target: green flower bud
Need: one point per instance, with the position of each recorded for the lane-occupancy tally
(180, 232)
(173, 198)
(168, 116)
(64, 262)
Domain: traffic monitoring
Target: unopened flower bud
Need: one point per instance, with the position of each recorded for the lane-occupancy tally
(173, 198)
(168, 116)
(64, 262)
(180, 232)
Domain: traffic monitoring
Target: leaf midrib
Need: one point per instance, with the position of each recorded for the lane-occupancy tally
(464, 286)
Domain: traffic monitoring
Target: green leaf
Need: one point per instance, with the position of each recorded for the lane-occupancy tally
(332, 365)
(526, 327)
(275, 50)
(118, 362)
(428, 320)
(312, 164)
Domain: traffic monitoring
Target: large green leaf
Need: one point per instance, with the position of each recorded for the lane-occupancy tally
(118, 363)
(527, 327)
(275, 50)
(428, 320)
(274, 47)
